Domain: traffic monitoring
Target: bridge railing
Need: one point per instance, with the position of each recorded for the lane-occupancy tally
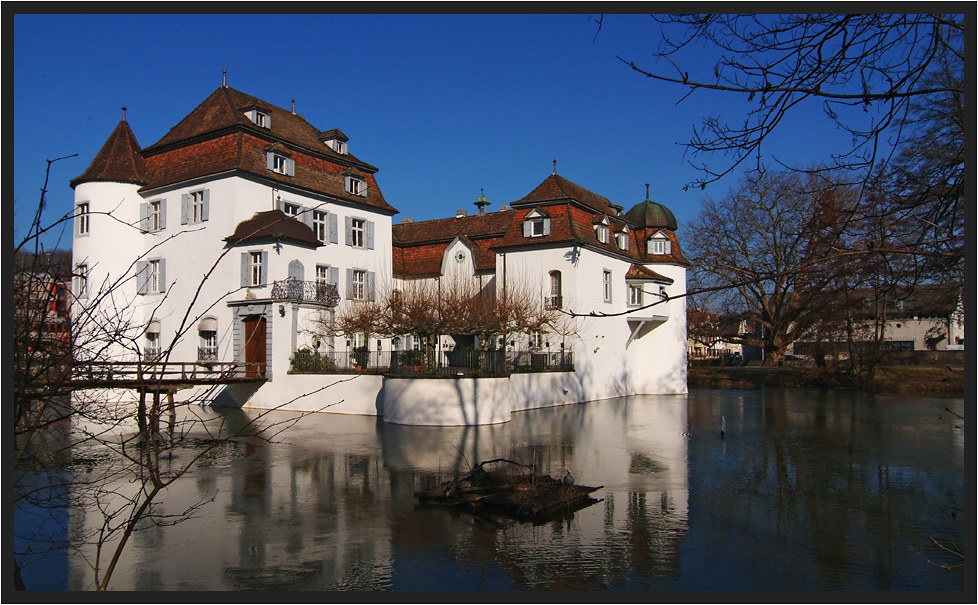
(105, 373)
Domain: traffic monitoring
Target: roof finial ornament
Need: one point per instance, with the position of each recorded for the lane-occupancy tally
(123, 113)
(555, 166)
(646, 192)
(224, 79)
(293, 106)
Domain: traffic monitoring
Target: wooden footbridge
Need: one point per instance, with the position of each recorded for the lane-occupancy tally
(162, 375)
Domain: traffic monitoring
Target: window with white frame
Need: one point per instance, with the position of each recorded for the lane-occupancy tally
(320, 225)
(151, 276)
(154, 275)
(280, 163)
(601, 232)
(659, 244)
(322, 274)
(355, 186)
(292, 210)
(556, 299)
(536, 340)
(257, 270)
(622, 240)
(82, 218)
(606, 285)
(81, 280)
(339, 146)
(358, 288)
(536, 224)
(261, 119)
(636, 296)
(156, 215)
(358, 232)
(195, 207)
(254, 269)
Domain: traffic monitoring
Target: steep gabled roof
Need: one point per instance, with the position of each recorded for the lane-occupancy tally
(272, 225)
(556, 188)
(118, 161)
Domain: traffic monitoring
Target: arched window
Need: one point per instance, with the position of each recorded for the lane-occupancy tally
(556, 298)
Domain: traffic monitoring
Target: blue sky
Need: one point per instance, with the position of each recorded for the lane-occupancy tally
(442, 105)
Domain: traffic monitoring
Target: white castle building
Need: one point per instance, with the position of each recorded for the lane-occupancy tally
(245, 230)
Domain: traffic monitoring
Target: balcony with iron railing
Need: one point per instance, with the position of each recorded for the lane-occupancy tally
(310, 292)
(207, 353)
(553, 301)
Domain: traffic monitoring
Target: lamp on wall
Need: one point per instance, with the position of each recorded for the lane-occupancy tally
(281, 310)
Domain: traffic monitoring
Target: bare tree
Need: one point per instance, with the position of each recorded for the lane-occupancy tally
(770, 241)
(867, 71)
(461, 306)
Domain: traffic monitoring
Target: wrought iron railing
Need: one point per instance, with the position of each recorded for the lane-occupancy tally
(439, 363)
(207, 353)
(553, 302)
(315, 292)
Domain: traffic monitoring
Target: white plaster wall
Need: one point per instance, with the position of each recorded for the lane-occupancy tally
(110, 250)
(357, 394)
(446, 401)
(655, 362)
(191, 251)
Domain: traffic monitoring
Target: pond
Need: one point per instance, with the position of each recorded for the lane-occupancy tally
(807, 490)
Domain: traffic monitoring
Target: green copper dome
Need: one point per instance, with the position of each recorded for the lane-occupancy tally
(652, 215)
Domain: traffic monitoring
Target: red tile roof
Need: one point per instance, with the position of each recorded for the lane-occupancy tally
(218, 137)
(119, 160)
(556, 188)
(640, 272)
(420, 247)
(272, 225)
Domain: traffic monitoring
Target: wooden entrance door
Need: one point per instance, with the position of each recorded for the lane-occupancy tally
(254, 333)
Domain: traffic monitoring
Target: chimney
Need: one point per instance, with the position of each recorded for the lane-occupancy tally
(461, 213)
(504, 208)
(406, 220)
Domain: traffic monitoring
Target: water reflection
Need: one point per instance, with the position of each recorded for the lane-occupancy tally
(809, 490)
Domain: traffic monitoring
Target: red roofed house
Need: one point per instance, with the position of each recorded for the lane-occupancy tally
(233, 236)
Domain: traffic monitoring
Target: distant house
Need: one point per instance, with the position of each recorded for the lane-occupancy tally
(289, 228)
(42, 320)
(925, 317)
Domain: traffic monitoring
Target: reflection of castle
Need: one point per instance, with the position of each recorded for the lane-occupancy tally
(301, 226)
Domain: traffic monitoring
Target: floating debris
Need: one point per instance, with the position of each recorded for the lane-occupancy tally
(511, 489)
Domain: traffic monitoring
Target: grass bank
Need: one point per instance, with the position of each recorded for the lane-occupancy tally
(918, 381)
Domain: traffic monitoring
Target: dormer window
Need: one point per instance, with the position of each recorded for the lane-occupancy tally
(601, 232)
(280, 163)
(335, 140)
(621, 239)
(355, 186)
(536, 224)
(259, 117)
(659, 244)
